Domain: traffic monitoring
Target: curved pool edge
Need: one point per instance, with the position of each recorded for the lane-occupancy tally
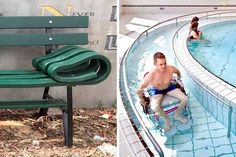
(219, 89)
(129, 141)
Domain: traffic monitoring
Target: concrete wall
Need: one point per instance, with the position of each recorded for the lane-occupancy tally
(101, 26)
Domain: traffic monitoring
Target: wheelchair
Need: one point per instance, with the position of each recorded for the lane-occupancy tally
(169, 104)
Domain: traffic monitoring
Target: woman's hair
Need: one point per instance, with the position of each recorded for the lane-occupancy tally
(158, 55)
(194, 27)
(195, 19)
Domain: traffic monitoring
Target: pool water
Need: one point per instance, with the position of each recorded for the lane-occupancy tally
(217, 52)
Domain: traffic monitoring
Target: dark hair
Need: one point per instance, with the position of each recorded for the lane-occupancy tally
(194, 27)
(195, 19)
(158, 55)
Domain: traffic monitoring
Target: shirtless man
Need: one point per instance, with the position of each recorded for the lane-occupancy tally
(159, 81)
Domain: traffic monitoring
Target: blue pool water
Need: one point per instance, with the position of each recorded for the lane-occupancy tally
(217, 52)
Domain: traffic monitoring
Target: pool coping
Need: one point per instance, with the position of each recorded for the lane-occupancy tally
(128, 137)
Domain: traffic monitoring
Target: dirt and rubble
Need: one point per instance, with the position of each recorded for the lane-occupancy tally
(22, 134)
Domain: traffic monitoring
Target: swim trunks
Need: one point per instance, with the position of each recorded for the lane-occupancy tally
(154, 91)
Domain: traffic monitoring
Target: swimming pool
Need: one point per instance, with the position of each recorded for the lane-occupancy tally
(207, 137)
(217, 52)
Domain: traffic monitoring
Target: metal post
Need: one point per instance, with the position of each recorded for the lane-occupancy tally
(207, 16)
(176, 22)
(229, 121)
(147, 33)
(48, 48)
(43, 111)
(68, 119)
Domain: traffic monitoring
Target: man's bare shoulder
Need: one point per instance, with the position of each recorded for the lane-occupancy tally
(150, 73)
(171, 67)
(153, 71)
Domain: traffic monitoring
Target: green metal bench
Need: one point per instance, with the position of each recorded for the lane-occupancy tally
(66, 66)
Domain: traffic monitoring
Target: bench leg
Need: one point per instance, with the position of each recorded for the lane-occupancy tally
(68, 119)
(44, 111)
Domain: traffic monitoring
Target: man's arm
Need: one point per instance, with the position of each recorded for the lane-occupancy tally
(142, 86)
(176, 71)
(179, 82)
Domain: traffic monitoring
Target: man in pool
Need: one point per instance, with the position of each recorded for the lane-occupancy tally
(159, 79)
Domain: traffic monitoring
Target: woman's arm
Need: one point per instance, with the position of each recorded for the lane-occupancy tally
(195, 35)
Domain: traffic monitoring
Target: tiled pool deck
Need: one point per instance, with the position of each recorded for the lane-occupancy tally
(129, 143)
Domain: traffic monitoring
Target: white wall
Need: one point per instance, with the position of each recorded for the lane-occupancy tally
(100, 26)
(178, 2)
(140, 6)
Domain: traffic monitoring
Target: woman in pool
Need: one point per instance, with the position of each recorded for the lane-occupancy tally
(195, 33)
(194, 20)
